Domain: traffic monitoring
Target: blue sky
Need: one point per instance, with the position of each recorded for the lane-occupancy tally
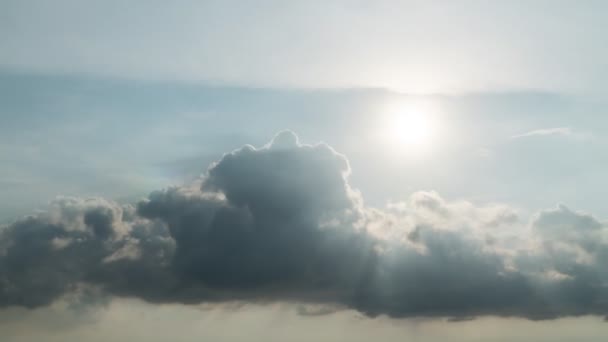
(122, 124)
(412, 46)
(85, 135)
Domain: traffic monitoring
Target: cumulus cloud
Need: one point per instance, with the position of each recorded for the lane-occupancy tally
(282, 223)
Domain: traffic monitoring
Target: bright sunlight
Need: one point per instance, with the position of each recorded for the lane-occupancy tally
(409, 127)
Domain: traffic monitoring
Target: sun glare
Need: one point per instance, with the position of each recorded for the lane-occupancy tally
(409, 127)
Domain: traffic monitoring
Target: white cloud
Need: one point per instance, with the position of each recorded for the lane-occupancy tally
(565, 131)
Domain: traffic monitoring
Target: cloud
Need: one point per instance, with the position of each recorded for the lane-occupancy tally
(282, 223)
(564, 131)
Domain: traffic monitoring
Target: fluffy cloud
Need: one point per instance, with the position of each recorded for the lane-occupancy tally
(281, 223)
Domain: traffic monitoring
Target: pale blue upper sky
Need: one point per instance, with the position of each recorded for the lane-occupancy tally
(412, 46)
(73, 135)
(73, 68)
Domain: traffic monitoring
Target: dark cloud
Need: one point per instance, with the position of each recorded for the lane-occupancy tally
(100, 221)
(281, 223)
(271, 222)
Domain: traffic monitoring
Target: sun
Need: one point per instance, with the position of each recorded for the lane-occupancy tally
(409, 127)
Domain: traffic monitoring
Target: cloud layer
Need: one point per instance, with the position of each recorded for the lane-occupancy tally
(282, 223)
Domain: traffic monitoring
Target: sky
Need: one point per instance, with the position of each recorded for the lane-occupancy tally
(303, 170)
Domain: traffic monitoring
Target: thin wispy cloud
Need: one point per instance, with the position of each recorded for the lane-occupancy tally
(564, 131)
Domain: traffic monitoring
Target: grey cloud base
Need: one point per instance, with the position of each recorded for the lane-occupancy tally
(281, 223)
